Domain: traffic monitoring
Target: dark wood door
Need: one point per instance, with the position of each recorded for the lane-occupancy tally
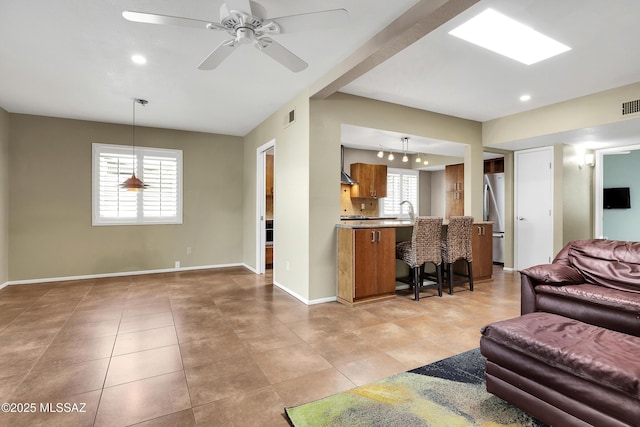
(386, 261)
(364, 281)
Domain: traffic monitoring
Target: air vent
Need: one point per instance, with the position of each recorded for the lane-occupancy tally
(631, 107)
(290, 118)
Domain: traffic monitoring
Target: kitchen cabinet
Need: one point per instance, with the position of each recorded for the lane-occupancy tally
(269, 175)
(454, 178)
(371, 180)
(481, 251)
(366, 264)
(494, 165)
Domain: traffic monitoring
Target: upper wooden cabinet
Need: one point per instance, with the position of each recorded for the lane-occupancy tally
(371, 180)
(269, 175)
(494, 165)
(454, 177)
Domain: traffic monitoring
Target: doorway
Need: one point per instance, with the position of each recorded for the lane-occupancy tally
(265, 206)
(533, 207)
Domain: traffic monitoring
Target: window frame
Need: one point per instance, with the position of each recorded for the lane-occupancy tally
(140, 152)
(416, 205)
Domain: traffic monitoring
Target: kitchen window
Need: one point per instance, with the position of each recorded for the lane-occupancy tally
(402, 184)
(160, 169)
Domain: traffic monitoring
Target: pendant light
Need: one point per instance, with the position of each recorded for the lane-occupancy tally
(405, 158)
(134, 183)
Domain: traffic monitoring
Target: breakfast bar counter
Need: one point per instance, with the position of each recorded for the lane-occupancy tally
(367, 262)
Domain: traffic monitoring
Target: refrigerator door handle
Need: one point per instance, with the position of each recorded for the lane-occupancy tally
(486, 202)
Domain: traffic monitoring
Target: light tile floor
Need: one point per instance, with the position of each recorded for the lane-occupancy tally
(217, 347)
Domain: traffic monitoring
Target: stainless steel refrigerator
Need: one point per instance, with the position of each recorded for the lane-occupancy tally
(494, 211)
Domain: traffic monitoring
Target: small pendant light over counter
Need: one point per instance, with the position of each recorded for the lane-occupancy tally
(134, 183)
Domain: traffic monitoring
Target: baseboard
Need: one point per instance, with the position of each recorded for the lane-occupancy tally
(123, 273)
(4, 285)
(301, 298)
(509, 269)
(251, 269)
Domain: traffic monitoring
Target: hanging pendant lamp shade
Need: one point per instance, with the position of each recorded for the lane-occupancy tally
(134, 183)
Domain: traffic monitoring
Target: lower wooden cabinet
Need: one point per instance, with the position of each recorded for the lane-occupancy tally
(268, 255)
(366, 264)
(482, 252)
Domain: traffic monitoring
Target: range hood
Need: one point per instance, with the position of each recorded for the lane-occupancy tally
(344, 178)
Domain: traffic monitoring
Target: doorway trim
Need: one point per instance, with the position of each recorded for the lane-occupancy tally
(261, 195)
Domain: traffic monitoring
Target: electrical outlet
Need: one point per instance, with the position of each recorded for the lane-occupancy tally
(188, 250)
(362, 206)
(177, 264)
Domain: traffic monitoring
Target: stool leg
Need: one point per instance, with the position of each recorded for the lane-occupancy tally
(439, 273)
(450, 265)
(416, 279)
(470, 270)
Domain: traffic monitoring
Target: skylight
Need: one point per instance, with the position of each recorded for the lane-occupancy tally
(501, 34)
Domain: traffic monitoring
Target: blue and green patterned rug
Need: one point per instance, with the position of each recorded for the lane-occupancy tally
(450, 392)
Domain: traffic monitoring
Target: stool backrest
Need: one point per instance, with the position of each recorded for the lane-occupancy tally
(458, 241)
(426, 239)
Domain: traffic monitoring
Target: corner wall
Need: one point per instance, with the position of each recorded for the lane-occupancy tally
(291, 195)
(50, 229)
(4, 197)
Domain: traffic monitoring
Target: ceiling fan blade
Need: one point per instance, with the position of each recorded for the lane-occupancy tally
(219, 54)
(281, 54)
(152, 18)
(312, 21)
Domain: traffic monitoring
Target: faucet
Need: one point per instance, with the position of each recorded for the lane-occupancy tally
(411, 211)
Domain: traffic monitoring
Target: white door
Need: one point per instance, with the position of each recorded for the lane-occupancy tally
(533, 207)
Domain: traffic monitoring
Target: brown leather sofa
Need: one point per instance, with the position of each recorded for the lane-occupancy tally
(594, 281)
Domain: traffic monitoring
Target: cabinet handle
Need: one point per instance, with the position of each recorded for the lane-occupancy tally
(373, 237)
(379, 235)
(479, 231)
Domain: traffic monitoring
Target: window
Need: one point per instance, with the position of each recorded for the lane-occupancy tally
(402, 184)
(159, 203)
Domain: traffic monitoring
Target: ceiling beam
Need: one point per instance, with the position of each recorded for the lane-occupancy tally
(418, 21)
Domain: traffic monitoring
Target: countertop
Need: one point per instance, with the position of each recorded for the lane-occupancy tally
(388, 223)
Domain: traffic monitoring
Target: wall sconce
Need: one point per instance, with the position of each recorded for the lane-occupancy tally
(590, 159)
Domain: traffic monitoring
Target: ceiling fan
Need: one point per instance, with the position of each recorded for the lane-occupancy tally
(243, 19)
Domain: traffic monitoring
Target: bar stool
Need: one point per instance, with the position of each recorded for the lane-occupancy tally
(424, 247)
(457, 245)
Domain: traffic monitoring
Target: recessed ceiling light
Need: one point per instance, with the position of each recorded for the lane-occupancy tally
(139, 59)
(501, 34)
(525, 98)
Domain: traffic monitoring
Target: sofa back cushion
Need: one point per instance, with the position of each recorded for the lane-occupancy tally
(611, 263)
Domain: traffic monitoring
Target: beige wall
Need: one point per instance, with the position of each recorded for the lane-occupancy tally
(584, 112)
(438, 193)
(50, 202)
(291, 198)
(4, 196)
(578, 197)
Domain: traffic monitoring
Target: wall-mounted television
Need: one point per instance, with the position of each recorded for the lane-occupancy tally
(616, 198)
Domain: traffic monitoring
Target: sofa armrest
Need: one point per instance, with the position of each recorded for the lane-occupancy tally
(548, 274)
(553, 274)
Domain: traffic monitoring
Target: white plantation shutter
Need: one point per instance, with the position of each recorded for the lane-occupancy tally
(159, 169)
(402, 184)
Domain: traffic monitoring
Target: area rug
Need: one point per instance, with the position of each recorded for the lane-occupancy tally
(450, 392)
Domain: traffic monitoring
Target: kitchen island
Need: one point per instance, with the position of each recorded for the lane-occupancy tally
(367, 261)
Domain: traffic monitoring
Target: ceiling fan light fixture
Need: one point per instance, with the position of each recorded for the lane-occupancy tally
(418, 158)
(405, 158)
(391, 156)
(380, 154)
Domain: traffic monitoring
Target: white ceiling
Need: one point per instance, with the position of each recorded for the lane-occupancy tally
(71, 58)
